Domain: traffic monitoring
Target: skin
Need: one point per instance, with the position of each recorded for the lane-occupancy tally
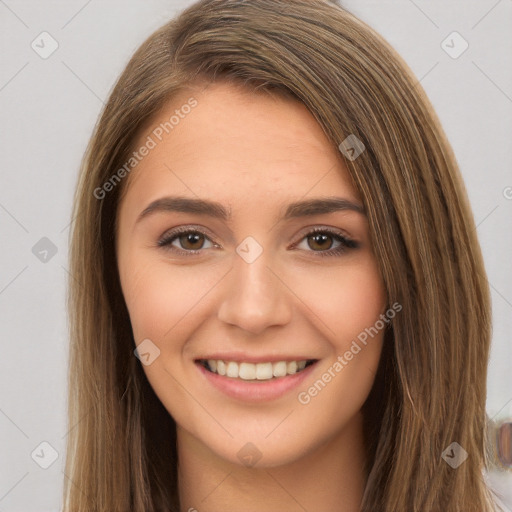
(254, 153)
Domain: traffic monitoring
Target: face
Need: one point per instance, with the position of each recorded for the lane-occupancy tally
(248, 289)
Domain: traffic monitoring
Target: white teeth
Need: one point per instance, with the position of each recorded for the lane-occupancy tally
(259, 371)
(221, 368)
(279, 369)
(247, 371)
(232, 369)
(264, 371)
(291, 367)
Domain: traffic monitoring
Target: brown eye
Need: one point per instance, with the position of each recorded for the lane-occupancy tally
(185, 241)
(325, 242)
(320, 241)
(191, 241)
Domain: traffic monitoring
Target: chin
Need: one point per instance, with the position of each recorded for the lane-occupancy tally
(255, 451)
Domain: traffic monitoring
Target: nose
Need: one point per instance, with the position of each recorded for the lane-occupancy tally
(254, 296)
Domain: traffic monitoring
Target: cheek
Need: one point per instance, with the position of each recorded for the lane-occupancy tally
(351, 311)
(358, 305)
(347, 300)
(160, 296)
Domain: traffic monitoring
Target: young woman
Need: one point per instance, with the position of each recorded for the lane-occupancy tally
(278, 298)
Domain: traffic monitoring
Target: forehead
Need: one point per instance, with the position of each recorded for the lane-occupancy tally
(237, 145)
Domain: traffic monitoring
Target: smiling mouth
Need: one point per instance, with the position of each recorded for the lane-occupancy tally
(255, 371)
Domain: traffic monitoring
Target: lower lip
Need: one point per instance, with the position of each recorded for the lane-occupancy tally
(256, 391)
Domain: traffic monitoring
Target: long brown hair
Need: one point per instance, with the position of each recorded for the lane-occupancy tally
(431, 385)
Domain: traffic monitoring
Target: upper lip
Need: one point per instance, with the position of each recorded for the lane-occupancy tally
(246, 358)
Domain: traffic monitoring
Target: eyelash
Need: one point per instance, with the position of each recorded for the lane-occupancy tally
(346, 243)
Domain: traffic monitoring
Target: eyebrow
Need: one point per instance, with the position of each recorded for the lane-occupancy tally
(305, 208)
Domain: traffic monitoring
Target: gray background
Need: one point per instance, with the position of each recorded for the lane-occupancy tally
(48, 110)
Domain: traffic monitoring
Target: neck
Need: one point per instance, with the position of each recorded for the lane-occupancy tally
(329, 478)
